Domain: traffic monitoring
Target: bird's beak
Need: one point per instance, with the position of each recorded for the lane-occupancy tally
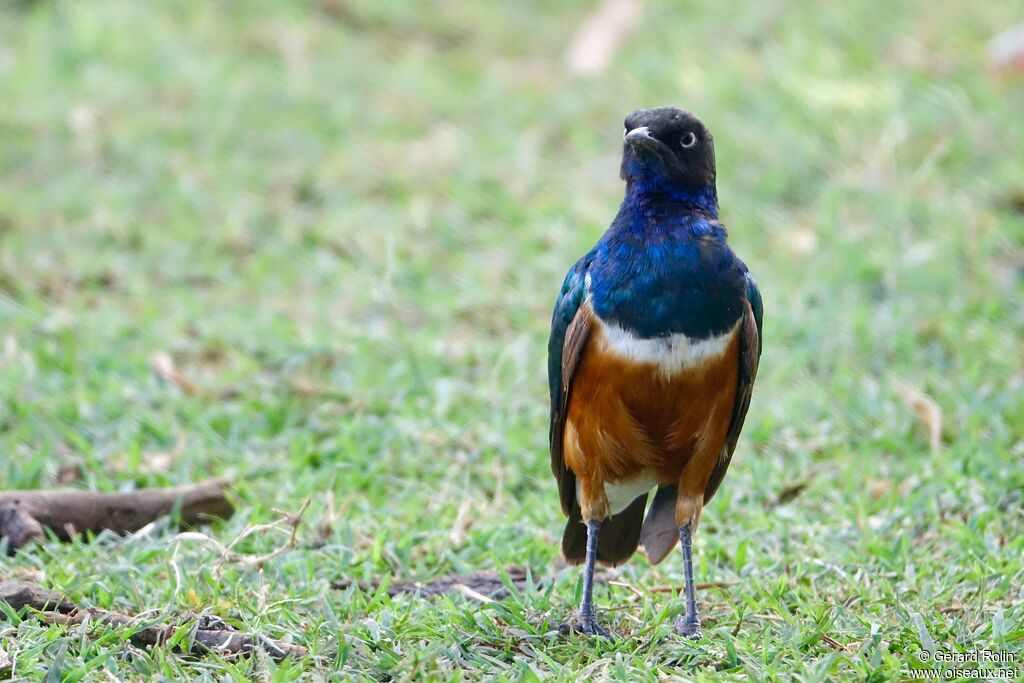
(643, 144)
(637, 133)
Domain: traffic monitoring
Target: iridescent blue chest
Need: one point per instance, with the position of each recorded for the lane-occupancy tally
(659, 273)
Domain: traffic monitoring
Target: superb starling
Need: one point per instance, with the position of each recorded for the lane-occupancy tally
(655, 341)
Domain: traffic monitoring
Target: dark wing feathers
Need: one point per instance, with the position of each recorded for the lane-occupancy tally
(750, 355)
(570, 332)
(569, 335)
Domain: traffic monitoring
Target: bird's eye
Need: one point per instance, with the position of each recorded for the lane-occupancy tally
(688, 140)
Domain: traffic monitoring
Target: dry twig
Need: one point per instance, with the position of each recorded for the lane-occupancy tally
(833, 643)
(288, 521)
(928, 413)
(165, 367)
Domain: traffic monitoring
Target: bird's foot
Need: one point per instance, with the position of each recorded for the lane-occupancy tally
(585, 626)
(688, 627)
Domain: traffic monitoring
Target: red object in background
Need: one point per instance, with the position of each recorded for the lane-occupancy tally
(1006, 51)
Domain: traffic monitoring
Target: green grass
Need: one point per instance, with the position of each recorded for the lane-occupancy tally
(347, 222)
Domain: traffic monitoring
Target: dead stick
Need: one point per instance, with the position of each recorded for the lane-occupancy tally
(19, 595)
(210, 635)
(18, 527)
(70, 511)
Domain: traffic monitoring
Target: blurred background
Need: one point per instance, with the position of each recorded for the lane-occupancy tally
(314, 246)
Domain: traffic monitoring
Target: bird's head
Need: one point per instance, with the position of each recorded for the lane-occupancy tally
(668, 151)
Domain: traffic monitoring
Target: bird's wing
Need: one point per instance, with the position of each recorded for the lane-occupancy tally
(750, 354)
(569, 335)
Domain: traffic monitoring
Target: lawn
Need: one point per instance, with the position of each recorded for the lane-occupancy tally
(346, 221)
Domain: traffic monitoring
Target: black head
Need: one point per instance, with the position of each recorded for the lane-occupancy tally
(668, 148)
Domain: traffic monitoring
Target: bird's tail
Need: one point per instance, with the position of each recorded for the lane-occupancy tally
(617, 538)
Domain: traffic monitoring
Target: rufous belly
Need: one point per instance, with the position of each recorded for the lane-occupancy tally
(644, 412)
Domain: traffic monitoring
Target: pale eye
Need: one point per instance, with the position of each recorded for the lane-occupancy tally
(688, 140)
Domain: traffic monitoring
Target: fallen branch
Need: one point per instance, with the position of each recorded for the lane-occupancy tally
(18, 527)
(209, 633)
(68, 512)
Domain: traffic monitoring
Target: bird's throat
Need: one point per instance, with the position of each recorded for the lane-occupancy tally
(648, 195)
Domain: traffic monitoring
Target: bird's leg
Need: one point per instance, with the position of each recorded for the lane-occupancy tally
(587, 605)
(688, 625)
(586, 623)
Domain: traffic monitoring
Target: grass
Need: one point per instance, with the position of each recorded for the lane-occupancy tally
(347, 222)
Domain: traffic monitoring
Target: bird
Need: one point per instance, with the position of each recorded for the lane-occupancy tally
(654, 348)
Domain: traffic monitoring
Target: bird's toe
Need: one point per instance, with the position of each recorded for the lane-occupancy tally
(584, 627)
(688, 627)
